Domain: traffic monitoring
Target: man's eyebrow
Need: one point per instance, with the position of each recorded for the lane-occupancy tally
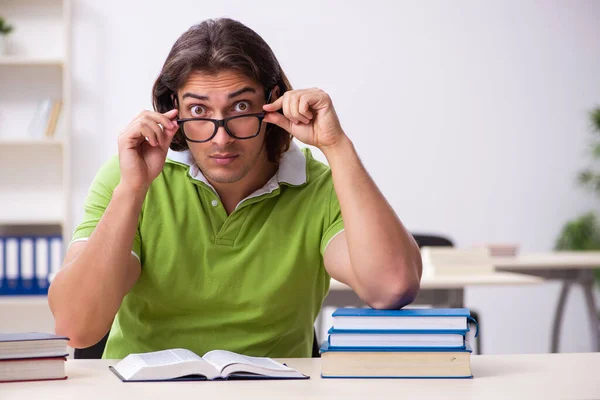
(194, 95)
(247, 89)
(232, 95)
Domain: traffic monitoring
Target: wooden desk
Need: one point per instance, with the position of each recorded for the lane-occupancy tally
(438, 291)
(572, 268)
(545, 376)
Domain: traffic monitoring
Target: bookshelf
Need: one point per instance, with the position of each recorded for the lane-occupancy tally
(35, 170)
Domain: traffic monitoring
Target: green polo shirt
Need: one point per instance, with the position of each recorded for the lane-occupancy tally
(252, 282)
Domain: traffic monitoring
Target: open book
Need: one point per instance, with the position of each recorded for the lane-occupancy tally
(181, 364)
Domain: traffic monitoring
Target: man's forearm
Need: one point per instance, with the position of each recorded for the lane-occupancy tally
(384, 257)
(87, 292)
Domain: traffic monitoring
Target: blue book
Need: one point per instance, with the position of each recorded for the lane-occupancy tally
(404, 319)
(397, 338)
(408, 362)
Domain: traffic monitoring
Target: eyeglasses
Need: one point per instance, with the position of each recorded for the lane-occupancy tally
(200, 130)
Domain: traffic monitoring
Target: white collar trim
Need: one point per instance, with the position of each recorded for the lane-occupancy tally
(292, 169)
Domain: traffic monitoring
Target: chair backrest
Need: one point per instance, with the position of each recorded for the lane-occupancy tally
(92, 352)
(432, 240)
(95, 351)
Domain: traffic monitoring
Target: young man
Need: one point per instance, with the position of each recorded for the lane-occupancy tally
(211, 230)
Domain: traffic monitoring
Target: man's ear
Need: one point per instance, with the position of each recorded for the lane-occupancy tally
(274, 94)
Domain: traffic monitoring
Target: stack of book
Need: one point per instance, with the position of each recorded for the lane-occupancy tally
(407, 343)
(32, 357)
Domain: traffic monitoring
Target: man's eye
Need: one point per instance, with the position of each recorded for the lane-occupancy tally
(242, 106)
(197, 110)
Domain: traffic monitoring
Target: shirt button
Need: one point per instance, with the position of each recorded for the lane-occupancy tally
(214, 203)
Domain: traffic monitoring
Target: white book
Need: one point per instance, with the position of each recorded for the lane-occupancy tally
(406, 319)
(182, 364)
(12, 261)
(42, 268)
(443, 261)
(27, 267)
(364, 339)
(39, 121)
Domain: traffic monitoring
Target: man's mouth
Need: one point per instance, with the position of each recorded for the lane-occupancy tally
(225, 158)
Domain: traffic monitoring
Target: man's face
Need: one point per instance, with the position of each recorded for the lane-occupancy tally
(223, 159)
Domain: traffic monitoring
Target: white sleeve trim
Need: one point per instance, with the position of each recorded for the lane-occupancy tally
(332, 239)
(86, 239)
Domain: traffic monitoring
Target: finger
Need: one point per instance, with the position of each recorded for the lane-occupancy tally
(146, 133)
(294, 109)
(286, 109)
(156, 132)
(163, 119)
(172, 116)
(168, 135)
(136, 136)
(274, 106)
(170, 132)
(279, 120)
(304, 108)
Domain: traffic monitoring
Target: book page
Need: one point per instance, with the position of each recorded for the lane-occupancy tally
(167, 357)
(166, 364)
(222, 359)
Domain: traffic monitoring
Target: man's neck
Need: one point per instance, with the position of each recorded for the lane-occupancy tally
(232, 193)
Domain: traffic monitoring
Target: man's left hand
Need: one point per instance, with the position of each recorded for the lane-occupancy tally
(308, 114)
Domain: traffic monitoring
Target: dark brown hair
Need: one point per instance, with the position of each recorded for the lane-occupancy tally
(212, 46)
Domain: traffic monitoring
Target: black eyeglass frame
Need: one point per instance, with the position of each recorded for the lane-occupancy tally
(223, 123)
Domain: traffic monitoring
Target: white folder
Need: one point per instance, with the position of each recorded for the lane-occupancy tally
(27, 267)
(42, 268)
(55, 255)
(12, 261)
(2, 283)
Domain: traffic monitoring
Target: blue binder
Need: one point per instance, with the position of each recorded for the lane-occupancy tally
(20, 264)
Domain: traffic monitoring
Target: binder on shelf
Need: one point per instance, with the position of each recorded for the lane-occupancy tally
(42, 264)
(55, 255)
(27, 266)
(27, 263)
(2, 264)
(12, 265)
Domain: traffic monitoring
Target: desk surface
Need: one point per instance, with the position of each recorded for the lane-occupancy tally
(501, 376)
(461, 281)
(551, 260)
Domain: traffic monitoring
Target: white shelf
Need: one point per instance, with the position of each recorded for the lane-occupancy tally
(32, 206)
(30, 142)
(41, 300)
(25, 221)
(31, 61)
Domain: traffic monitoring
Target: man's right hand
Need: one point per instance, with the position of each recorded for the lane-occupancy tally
(143, 147)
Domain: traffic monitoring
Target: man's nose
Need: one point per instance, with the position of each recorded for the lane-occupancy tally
(222, 137)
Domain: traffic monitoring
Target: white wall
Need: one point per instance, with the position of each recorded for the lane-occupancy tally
(470, 116)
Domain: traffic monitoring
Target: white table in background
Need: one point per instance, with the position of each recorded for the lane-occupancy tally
(528, 376)
(572, 268)
(438, 291)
